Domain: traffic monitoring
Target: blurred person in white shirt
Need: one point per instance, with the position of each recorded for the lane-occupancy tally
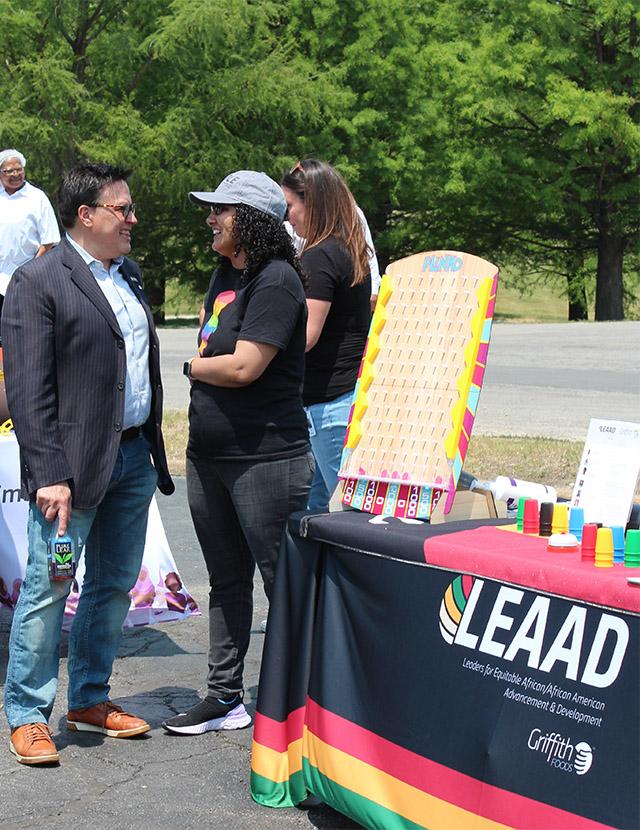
(28, 226)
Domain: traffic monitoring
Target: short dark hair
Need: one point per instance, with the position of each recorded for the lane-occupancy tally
(82, 185)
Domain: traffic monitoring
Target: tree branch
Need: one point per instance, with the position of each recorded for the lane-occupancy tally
(527, 119)
(508, 128)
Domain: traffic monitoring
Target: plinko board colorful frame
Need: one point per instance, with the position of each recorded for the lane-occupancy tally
(419, 383)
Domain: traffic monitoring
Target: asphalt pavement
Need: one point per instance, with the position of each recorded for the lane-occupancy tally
(541, 380)
(156, 780)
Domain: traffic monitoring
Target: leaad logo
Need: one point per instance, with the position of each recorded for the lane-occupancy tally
(583, 644)
(560, 753)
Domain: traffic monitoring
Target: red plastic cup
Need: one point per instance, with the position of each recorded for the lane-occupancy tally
(589, 536)
(531, 517)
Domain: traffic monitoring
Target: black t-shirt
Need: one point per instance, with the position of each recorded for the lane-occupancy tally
(264, 420)
(333, 363)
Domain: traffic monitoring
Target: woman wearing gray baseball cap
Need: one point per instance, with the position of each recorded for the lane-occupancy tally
(249, 463)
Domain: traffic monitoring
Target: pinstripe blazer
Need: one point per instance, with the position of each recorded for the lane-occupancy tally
(65, 369)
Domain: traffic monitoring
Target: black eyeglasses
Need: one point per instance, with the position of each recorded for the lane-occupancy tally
(125, 210)
(218, 209)
(15, 171)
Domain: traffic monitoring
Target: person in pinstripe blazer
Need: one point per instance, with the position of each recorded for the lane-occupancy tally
(82, 374)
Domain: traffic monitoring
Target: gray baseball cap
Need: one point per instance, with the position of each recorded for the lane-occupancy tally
(246, 187)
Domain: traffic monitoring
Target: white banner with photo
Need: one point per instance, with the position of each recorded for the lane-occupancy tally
(157, 596)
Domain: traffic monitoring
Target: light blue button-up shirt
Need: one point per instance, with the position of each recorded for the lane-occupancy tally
(133, 324)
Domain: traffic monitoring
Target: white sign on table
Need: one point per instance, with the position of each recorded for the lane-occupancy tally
(608, 473)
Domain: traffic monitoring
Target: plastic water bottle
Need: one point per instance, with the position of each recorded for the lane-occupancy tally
(510, 490)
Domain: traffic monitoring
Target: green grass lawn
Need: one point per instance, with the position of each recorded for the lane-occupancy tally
(542, 306)
(181, 301)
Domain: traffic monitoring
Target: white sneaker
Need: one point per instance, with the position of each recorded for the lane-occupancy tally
(208, 716)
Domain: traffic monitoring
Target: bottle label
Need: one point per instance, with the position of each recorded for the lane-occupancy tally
(62, 560)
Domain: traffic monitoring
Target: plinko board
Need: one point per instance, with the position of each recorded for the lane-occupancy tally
(419, 383)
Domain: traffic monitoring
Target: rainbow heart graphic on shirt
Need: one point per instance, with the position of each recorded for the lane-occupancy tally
(221, 301)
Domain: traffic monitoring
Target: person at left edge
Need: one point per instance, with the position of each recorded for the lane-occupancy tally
(28, 226)
(83, 385)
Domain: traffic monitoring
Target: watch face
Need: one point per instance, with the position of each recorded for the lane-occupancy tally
(186, 369)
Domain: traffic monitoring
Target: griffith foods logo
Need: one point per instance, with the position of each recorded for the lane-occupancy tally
(560, 753)
(583, 643)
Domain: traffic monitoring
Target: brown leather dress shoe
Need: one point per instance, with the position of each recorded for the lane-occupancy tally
(108, 719)
(32, 744)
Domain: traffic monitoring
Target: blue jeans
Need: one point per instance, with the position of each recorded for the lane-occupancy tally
(113, 534)
(327, 428)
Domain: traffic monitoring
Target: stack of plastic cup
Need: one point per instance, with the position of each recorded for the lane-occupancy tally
(632, 549)
(530, 517)
(520, 518)
(576, 521)
(560, 519)
(546, 515)
(618, 544)
(604, 548)
(589, 533)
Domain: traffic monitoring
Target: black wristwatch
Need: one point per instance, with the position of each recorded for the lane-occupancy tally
(186, 370)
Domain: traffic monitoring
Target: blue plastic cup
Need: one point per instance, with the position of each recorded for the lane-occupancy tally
(618, 544)
(576, 522)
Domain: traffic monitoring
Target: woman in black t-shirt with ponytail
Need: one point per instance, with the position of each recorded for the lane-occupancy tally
(248, 460)
(335, 257)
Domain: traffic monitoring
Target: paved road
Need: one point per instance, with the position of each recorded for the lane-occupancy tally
(542, 379)
(158, 780)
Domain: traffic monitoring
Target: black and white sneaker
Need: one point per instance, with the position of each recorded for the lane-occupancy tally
(210, 715)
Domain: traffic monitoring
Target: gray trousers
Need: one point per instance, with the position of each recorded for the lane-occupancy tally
(239, 510)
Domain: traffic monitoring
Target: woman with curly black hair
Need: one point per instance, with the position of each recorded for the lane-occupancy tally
(249, 463)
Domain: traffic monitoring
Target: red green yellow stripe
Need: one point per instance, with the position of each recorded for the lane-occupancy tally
(380, 782)
(345, 750)
(369, 813)
(279, 734)
(277, 746)
(391, 794)
(277, 766)
(278, 794)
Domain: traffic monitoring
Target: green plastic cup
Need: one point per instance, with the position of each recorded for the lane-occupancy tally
(632, 549)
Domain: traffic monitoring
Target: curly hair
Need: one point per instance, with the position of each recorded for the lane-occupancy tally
(263, 238)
